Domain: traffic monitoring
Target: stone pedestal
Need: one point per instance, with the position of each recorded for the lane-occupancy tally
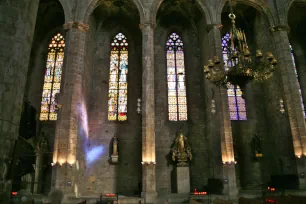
(114, 159)
(148, 183)
(183, 179)
(300, 164)
(230, 185)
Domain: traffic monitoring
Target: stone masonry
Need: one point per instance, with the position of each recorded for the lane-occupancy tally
(82, 135)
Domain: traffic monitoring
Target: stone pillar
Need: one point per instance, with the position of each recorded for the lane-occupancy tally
(292, 98)
(250, 166)
(300, 60)
(227, 148)
(72, 100)
(17, 23)
(38, 172)
(148, 115)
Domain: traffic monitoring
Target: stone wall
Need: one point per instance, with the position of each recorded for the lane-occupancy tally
(202, 128)
(102, 177)
(45, 30)
(194, 128)
(263, 111)
(17, 21)
(283, 155)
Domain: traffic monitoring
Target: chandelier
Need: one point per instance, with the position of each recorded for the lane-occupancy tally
(241, 66)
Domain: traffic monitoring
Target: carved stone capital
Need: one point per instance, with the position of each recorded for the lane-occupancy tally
(76, 25)
(143, 25)
(209, 27)
(280, 27)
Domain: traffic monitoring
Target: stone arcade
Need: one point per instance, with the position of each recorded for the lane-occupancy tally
(74, 73)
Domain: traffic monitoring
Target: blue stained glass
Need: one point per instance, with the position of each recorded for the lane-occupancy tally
(236, 103)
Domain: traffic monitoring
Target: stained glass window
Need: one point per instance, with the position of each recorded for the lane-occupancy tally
(117, 94)
(236, 103)
(52, 80)
(297, 76)
(177, 102)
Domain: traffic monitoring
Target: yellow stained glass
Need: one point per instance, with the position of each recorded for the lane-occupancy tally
(117, 94)
(52, 79)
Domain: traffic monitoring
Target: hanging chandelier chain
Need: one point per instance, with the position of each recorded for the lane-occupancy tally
(231, 7)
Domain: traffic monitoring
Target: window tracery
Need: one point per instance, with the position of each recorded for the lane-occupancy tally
(117, 94)
(52, 79)
(177, 101)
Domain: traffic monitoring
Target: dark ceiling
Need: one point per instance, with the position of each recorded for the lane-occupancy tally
(50, 15)
(112, 14)
(182, 13)
(297, 16)
(245, 16)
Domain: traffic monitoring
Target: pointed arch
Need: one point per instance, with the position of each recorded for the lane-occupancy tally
(236, 103)
(205, 9)
(52, 79)
(89, 7)
(117, 93)
(177, 101)
(259, 5)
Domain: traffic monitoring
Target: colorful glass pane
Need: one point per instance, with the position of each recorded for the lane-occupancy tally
(117, 94)
(52, 80)
(236, 103)
(297, 76)
(177, 102)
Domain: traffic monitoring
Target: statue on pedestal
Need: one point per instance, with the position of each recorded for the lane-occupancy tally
(256, 146)
(115, 156)
(115, 145)
(181, 153)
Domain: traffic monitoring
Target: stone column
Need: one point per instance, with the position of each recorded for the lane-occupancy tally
(17, 23)
(148, 114)
(250, 166)
(227, 148)
(300, 60)
(72, 100)
(292, 98)
(38, 172)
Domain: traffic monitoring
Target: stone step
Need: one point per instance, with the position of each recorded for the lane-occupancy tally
(173, 199)
(121, 200)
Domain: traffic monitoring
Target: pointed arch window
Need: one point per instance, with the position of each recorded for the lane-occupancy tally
(177, 102)
(236, 103)
(53, 76)
(297, 76)
(117, 94)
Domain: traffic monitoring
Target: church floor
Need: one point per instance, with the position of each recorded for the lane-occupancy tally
(169, 198)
